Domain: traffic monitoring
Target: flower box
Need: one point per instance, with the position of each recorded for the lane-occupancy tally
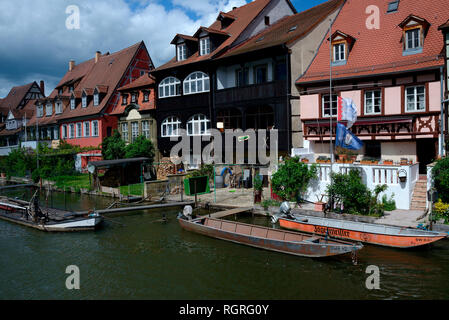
(388, 162)
(319, 206)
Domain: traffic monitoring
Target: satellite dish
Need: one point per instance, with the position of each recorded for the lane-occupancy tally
(91, 168)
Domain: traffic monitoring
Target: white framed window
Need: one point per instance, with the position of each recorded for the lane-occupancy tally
(87, 129)
(134, 130)
(415, 99)
(95, 129)
(48, 109)
(169, 87)
(326, 105)
(198, 125)
(196, 82)
(373, 102)
(125, 135)
(413, 39)
(58, 107)
(182, 51)
(49, 130)
(96, 99)
(133, 97)
(146, 129)
(146, 96)
(79, 130)
(204, 46)
(72, 103)
(55, 133)
(84, 101)
(71, 131)
(339, 52)
(170, 126)
(40, 111)
(64, 131)
(124, 99)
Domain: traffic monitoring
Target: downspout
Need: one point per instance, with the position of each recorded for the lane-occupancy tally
(442, 116)
(289, 93)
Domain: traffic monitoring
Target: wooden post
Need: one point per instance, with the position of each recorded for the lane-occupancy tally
(196, 197)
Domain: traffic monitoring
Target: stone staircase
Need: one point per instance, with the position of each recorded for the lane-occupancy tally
(420, 195)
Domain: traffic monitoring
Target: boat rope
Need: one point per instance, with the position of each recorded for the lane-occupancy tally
(354, 255)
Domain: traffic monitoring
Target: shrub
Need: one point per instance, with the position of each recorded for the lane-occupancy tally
(440, 174)
(355, 195)
(140, 148)
(441, 211)
(389, 204)
(113, 147)
(292, 178)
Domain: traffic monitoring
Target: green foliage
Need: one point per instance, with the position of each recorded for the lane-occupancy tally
(441, 211)
(270, 203)
(19, 162)
(292, 178)
(257, 183)
(204, 170)
(440, 174)
(389, 204)
(113, 147)
(140, 148)
(355, 195)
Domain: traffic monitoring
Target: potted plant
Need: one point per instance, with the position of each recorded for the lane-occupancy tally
(323, 159)
(388, 162)
(404, 162)
(369, 161)
(305, 160)
(258, 188)
(319, 206)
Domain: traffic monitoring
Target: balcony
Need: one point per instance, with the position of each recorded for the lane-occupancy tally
(252, 92)
(184, 101)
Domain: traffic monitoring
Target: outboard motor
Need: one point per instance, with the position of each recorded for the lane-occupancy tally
(186, 213)
(284, 210)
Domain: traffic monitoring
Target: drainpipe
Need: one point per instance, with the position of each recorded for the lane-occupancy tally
(289, 108)
(442, 116)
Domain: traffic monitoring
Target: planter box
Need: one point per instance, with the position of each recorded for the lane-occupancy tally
(388, 163)
(319, 206)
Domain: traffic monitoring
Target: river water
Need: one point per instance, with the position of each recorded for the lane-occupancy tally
(137, 256)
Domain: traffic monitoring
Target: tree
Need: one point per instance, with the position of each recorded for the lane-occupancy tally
(140, 148)
(440, 174)
(113, 147)
(292, 178)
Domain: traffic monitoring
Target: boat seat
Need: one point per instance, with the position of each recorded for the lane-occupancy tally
(313, 239)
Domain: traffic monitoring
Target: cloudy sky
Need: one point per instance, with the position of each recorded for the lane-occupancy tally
(36, 44)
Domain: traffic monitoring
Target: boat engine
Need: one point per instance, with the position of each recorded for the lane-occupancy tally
(187, 213)
(284, 210)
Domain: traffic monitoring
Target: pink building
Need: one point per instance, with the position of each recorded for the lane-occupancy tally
(392, 74)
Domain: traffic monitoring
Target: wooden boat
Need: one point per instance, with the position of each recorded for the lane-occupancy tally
(268, 238)
(48, 219)
(389, 236)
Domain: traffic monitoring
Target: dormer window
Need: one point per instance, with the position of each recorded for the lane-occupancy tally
(84, 100)
(146, 96)
(182, 52)
(124, 99)
(339, 52)
(414, 31)
(96, 98)
(393, 6)
(48, 110)
(133, 97)
(60, 91)
(58, 107)
(72, 103)
(71, 89)
(204, 46)
(40, 111)
(341, 46)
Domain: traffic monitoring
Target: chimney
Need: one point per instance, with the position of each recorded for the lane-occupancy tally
(71, 65)
(42, 86)
(97, 56)
(233, 8)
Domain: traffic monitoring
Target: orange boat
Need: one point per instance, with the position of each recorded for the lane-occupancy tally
(389, 236)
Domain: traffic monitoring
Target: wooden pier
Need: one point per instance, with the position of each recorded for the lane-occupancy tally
(230, 212)
(137, 208)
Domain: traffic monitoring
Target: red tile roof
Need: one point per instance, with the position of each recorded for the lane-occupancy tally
(381, 51)
(14, 98)
(287, 30)
(106, 73)
(143, 81)
(244, 16)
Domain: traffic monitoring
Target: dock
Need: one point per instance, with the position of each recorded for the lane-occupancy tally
(230, 212)
(137, 208)
(16, 186)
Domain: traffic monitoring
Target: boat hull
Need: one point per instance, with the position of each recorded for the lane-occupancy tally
(387, 240)
(301, 248)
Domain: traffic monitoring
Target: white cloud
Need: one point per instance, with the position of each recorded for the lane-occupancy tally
(36, 43)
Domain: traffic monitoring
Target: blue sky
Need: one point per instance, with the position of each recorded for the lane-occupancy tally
(36, 45)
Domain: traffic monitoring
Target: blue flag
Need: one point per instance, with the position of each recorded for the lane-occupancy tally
(346, 139)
